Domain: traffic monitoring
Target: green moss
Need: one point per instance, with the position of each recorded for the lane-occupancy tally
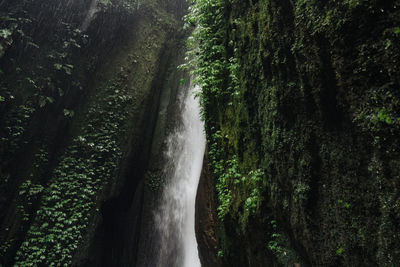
(86, 167)
(339, 251)
(68, 120)
(316, 109)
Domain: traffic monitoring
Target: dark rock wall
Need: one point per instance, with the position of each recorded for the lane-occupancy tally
(78, 111)
(318, 113)
(205, 219)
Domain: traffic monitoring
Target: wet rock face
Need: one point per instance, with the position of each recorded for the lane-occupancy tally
(206, 220)
(78, 111)
(319, 113)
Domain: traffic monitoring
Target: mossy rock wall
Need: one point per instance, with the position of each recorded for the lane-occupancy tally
(316, 109)
(78, 111)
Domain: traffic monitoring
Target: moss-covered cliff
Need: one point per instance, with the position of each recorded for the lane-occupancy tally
(80, 85)
(302, 107)
(301, 101)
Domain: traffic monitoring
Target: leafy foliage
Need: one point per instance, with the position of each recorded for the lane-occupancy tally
(214, 69)
(70, 144)
(84, 169)
(307, 93)
(214, 62)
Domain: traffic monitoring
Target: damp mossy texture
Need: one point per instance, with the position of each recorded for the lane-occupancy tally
(301, 101)
(79, 90)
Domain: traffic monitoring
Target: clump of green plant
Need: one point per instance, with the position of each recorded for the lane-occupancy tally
(279, 245)
(248, 192)
(28, 193)
(301, 190)
(15, 124)
(339, 251)
(383, 116)
(215, 70)
(344, 204)
(85, 168)
(224, 193)
(255, 179)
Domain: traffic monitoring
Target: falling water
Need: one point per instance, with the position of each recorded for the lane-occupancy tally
(175, 216)
(91, 14)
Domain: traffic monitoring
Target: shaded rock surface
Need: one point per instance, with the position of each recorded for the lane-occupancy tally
(316, 115)
(206, 218)
(78, 113)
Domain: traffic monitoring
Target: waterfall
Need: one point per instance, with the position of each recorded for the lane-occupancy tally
(91, 14)
(174, 218)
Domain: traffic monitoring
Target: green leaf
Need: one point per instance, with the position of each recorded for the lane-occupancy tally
(339, 251)
(67, 71)
(5, 33)
(388, 44)
(68, 113)
(42, 101)
(50, 99)
(33, 44)
(58, 66)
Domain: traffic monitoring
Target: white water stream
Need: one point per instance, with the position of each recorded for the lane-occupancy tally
(175, 216)
(91, 14)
